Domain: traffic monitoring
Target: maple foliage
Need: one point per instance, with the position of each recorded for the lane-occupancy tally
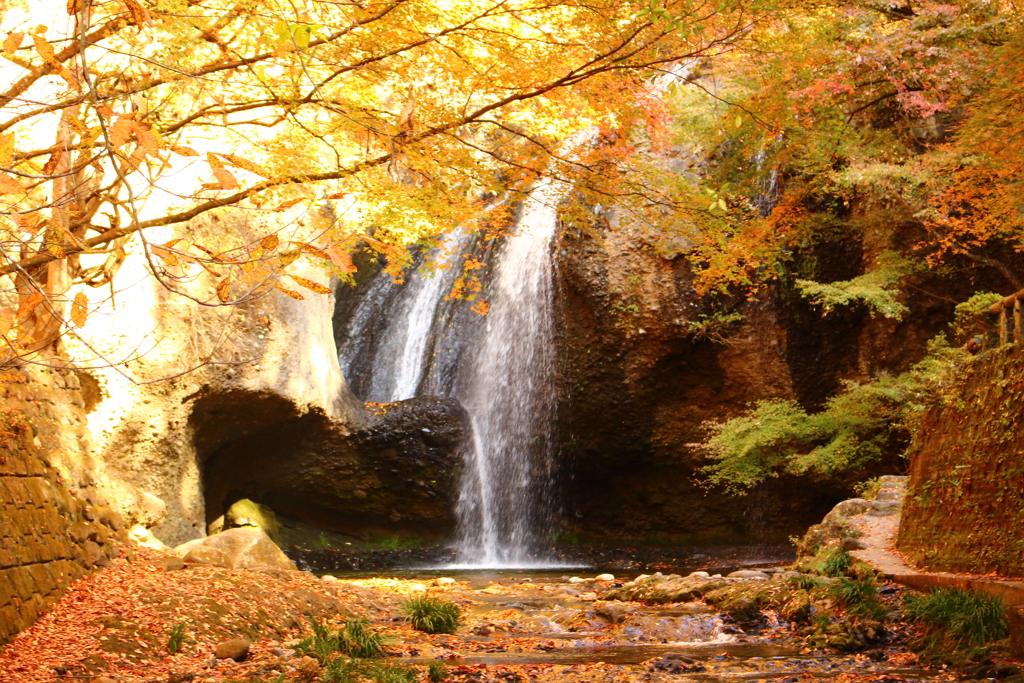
(911, 104)
(327, 124)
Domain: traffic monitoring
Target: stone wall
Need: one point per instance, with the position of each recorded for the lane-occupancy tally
(48, 536)
(964, 511)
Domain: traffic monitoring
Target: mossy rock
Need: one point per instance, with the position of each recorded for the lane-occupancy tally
(798, 608)
(249, 513)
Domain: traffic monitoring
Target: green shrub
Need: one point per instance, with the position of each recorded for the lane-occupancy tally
(973, 319)
(836, 562)
(868, 488)
(433, 615)
(355, 638)
(359, 640)
(965, 618)
(876, 289)
(860, 598)
(856, 429)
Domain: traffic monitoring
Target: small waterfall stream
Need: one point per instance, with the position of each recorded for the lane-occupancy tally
(408, 340)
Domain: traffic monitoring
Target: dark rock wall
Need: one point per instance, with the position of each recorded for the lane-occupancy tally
(636, 385)
(964, 510)
(48, 535)
(397, 475)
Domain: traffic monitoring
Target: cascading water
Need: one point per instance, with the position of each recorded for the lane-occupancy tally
(388, 352)
(505, 494)
(407, 340)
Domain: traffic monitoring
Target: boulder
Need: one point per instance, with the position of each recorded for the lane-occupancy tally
(849, 508)
(236, 649)
(241, 548)
(850, 543)
(614, 612)
(748, 574)
(248, 513)
(144, 537)
(884, 508)
(393, 476)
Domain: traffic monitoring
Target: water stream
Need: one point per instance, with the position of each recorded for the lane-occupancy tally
(406, 340)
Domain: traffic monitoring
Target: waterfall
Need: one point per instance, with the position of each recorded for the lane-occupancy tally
(387, 352)
(505, 493)
(400, 341)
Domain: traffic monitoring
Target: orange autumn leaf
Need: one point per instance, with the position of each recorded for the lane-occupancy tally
(292, 293)
(79, 309)
(310, 285)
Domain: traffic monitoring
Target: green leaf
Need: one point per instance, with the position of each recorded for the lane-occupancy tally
(302, 35)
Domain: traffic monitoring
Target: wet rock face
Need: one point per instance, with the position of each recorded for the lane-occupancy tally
(636, 386)
(397, 475)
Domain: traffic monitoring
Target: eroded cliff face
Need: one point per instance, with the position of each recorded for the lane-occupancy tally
(639, 376)
(148, 357)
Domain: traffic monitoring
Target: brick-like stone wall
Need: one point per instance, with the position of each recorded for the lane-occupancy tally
(48, 536)
(964, 510)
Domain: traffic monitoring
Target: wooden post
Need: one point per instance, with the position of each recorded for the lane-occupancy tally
(1003, 326)
(1018, 322)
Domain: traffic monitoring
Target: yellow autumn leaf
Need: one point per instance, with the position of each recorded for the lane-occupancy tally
(246, 165)
(121, 131)
(341, 259)
(226, 180)
(288, 204)
(224, 290)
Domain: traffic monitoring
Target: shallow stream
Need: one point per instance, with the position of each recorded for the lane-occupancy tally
(540, 624)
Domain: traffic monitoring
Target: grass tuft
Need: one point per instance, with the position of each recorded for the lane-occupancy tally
(361, 671)
(433, 615)
(175, 638)
(808, 581)
(437, 672)
(966, 618)
(836, 563)
(355, 638)
(860, 598)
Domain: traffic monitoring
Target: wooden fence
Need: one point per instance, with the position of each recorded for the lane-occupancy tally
(1011, 318)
